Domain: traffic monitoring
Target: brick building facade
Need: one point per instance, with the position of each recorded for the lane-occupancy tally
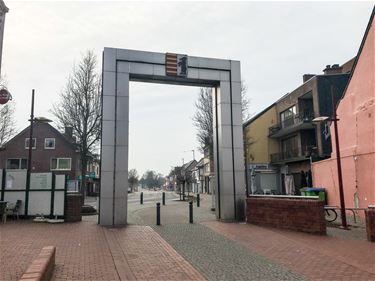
(282, 141)
(356, 134)
(52, 151)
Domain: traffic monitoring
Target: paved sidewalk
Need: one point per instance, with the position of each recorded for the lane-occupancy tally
(82, 253)
(314, 257)
(86, 251)
(219, 258)
(207, 249)
(148, 257)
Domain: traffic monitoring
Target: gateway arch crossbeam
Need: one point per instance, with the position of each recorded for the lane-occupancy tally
(120, 66)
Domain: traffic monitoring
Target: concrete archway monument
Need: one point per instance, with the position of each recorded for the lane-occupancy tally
(120, 66)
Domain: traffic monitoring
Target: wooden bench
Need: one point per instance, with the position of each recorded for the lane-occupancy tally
(41, 269)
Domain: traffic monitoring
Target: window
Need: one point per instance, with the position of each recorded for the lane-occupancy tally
(61, 164)
(287, 116)
(290, 112)
(290, 147)
(27, 140)
(16, 163)
(49, 143)
(207, 168)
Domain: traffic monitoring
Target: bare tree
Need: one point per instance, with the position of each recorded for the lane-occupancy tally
(133, 179)
(203, 117)
(245, 103)
(152, 179)
(80, 108)
(7, 122)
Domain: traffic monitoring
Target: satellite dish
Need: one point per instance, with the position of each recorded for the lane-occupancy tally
(5, 96)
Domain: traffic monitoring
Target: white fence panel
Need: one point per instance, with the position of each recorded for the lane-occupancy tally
(58, 209)
(15, 179)
(40, 181)
(60, 182)
(39, 203)
(40, 192)
(13, 196)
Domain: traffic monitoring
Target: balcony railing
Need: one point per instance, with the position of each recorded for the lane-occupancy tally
(294, 153)
(300, 118)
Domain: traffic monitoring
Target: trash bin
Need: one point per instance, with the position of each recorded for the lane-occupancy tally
(315, 191)
(303, 191)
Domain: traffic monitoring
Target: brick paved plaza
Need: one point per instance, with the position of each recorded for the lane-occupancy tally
(86, 251)
(177, 250)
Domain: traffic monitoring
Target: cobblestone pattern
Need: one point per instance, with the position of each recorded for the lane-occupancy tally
(219, 258)
(314, 257)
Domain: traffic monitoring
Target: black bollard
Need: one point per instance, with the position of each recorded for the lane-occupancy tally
(141, 198)
(163, 198)
(198, 200)
(191, 211)
(158, 213)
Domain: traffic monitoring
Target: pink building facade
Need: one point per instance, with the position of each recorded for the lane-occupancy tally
(356, 127)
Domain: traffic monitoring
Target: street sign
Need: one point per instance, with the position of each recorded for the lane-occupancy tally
(5, 96)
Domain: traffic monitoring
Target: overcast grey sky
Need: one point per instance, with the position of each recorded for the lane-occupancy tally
(276, 42)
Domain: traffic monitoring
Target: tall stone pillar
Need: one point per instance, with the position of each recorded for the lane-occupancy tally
(114, 146)
(228, 147)
(3, 11)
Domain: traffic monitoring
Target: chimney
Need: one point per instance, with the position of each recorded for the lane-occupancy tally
(307, 77)
(334, 69)
(69, 132)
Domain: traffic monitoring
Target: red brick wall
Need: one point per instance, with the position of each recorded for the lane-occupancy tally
(41, 157)
(304, 215)
(73, 207)
(42, 267)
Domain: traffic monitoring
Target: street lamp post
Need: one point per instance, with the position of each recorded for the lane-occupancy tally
(29, 160)
(30, 154)
(334, 119)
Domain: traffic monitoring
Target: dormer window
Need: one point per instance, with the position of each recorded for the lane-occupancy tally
(49, 143)
(27, 141)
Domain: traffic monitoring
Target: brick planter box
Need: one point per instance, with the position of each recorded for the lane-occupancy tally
(41, 268)
(370, 224)
(73, 207)
(293, 213)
